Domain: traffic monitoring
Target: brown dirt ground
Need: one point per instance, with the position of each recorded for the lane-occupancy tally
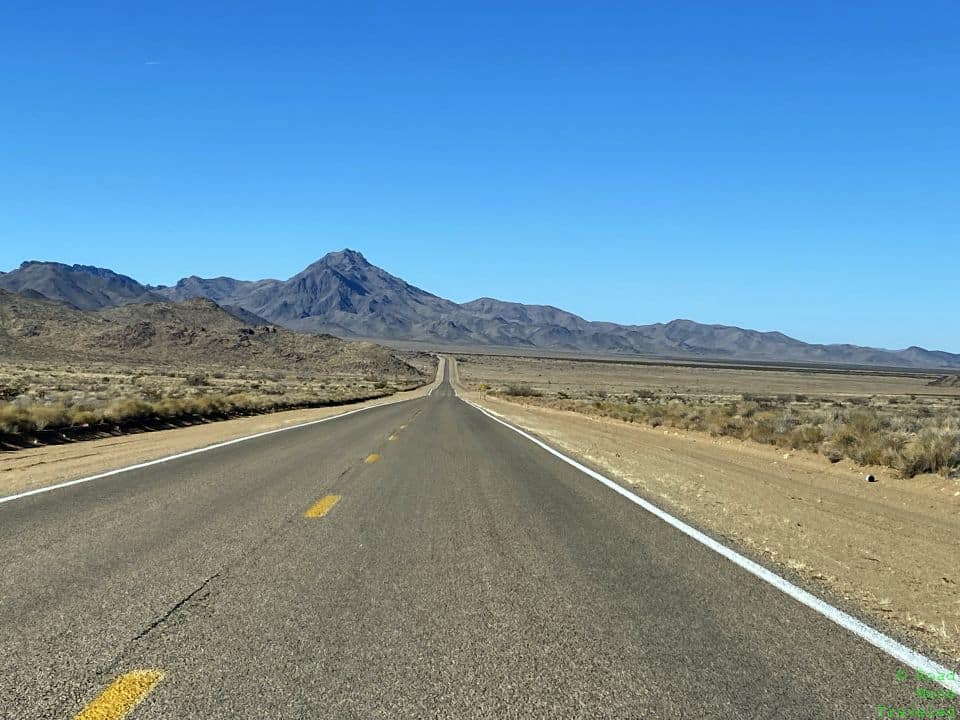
(33, 468)
(891, 548)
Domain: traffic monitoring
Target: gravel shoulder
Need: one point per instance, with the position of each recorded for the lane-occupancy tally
(890, 548)
(33, 468)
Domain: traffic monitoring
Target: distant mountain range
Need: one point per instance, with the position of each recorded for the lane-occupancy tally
(343, 294)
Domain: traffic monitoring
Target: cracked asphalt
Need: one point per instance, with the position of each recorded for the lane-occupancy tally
(465, 574)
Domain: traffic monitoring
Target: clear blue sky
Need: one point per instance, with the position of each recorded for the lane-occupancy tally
(790, 166)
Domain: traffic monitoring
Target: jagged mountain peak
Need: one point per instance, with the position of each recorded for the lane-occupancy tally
(346, 255)
(346, 260)
(350, 264)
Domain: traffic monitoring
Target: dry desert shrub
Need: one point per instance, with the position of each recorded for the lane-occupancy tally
(912, 439)
(26, 418)
(932, 451)
(522, 390)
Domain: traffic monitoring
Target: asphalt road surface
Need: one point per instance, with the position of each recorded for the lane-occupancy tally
(452, 569)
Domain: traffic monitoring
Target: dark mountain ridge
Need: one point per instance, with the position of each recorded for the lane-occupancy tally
(345, 295)
(83, 286)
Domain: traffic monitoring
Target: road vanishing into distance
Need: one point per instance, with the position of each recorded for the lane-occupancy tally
(417, 559)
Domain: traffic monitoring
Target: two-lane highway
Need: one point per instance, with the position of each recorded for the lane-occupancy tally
(412, 560)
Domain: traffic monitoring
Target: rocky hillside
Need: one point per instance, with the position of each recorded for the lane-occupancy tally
(197, 331)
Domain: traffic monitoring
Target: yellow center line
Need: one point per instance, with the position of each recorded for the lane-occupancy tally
(322, 506)
(121, 696)
(372, 458)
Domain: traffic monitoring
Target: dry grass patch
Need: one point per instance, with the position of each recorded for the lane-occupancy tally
(41, 398)
(908, 440)
(911, 422)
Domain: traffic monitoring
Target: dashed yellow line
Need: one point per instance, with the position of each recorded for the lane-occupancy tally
(121, 696)
(372, 458)
(322, 506)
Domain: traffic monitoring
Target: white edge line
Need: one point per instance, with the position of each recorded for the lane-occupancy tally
(195, 451)
(441, 364)
(896, 650)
